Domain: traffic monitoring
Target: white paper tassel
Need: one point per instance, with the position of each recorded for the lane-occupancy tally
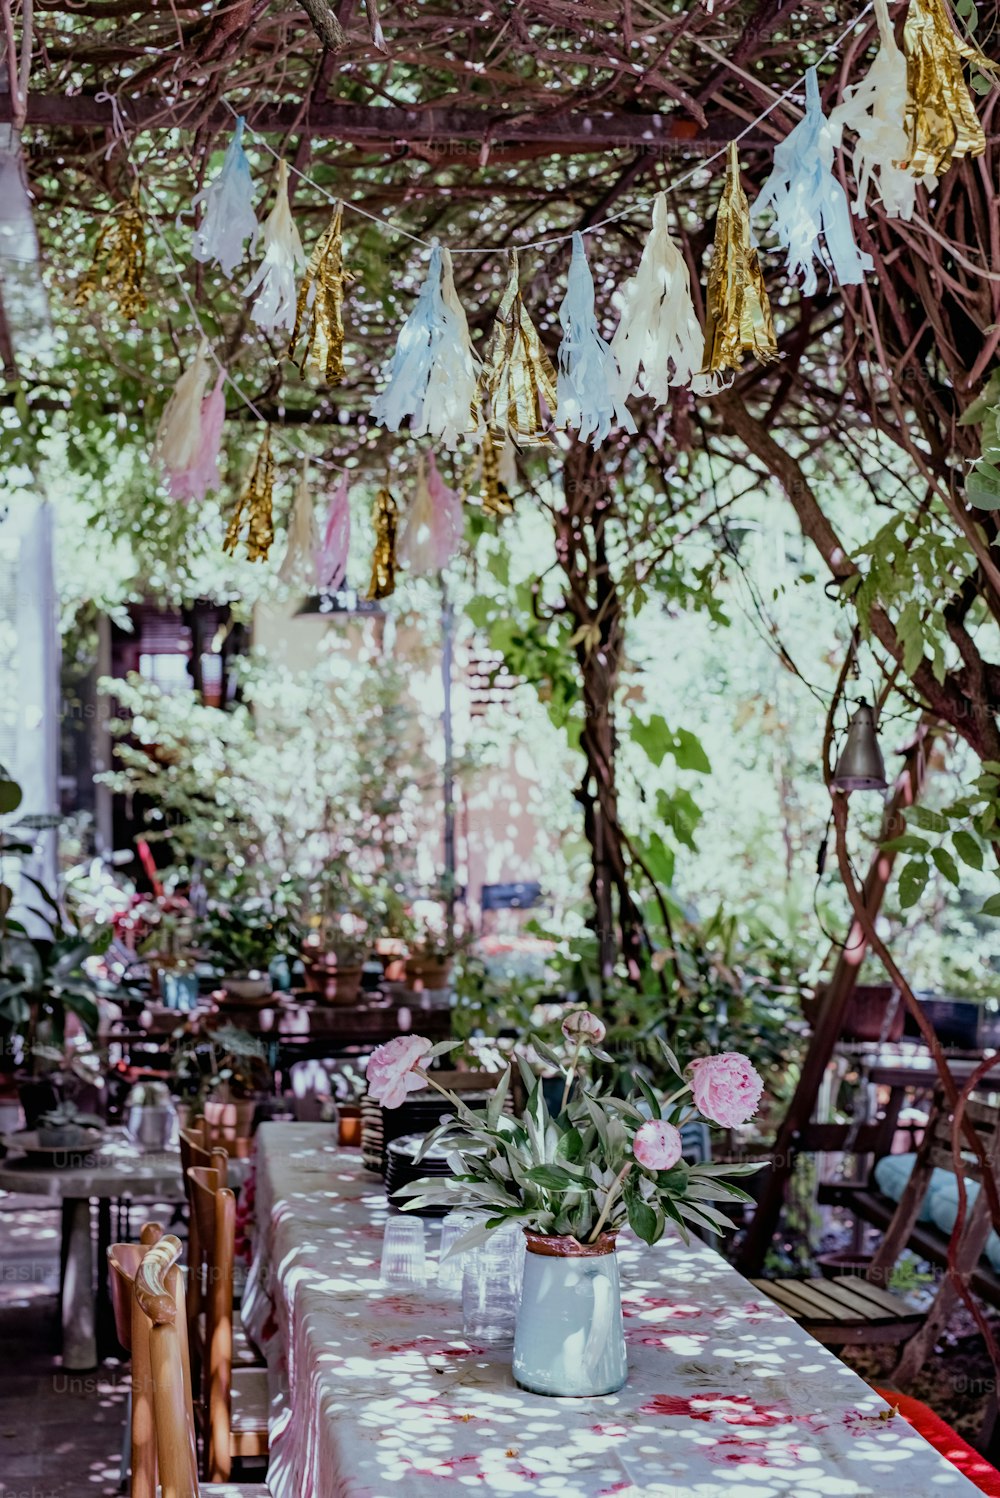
(229, 220)
(283, 256)
(178, 435)
(433, 526)
(659, 341)
(432, 376)
(809, 201)
(470, 363)
(299, 564)
(589, 388)
(875, 110)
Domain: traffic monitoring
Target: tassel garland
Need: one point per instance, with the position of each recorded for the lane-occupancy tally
(589, 376)
(331, 557)
(874, 110)
(254, 507)
(659, 339)
(941, 120)
(433, 527)
(186, 451)
(118, 264)
(494, 494)
(471, 364)
(203, 472)
(737, 312)
(274, 278)
(385, 516)
(808, 201)
(431, 378)
(518, 377)
(229, 220)
(320, 306)
(299, 564)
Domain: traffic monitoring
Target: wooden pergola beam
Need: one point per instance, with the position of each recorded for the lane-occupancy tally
(577, 132)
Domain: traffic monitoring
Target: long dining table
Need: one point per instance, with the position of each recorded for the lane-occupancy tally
(376, 1393)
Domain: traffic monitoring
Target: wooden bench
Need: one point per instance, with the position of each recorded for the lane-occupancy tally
(855, 1309)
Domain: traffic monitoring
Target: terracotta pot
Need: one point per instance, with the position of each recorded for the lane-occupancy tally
(350, 1125)
(229, 1118)
(429, 972)
(337, 985)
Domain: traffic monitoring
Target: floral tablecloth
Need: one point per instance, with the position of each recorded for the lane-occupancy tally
(378, 1395)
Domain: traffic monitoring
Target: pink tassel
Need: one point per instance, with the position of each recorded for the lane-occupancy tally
(448, 522)
(202, 473)
(331, 558)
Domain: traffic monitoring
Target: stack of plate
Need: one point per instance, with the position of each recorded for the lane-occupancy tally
(421, 1113)
(402, 1168)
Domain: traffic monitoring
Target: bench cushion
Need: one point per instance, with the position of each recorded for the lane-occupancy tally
(940, 1205)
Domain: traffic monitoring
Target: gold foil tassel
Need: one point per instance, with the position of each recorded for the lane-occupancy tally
(118, 264)
(941, 120)
(320, 306)
(517, 375)
(254, 507)
(386, 516)
(737, 312)
(494, 494)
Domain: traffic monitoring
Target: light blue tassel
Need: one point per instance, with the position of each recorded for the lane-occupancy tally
(431, 377)
(809, 201)
(229, 220)
(589, 377)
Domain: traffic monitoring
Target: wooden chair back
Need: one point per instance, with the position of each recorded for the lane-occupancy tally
(159, 1300)
(124, 1261)
(214, 1211)
(195, 1154)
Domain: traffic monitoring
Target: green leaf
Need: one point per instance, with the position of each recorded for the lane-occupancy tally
(642, 1220)
(946, 865)
(908, 842)
(659, 859)
(968, 849)
(687, 751)
(554, 1178)
(650, 1096)
(992, 906)
(913, 877)
(654, 738)
(494, 1107)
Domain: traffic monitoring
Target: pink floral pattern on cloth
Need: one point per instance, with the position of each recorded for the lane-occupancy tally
(378, 1394)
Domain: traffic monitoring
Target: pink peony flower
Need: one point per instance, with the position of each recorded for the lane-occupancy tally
(657, 1145)
(726, 1088)
(581, 1025)
(390, 1069)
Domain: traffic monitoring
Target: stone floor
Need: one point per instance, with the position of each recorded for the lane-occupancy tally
(60, 1433)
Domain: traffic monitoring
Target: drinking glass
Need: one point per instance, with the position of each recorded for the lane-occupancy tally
(490, 1289)
(454, 1226)
(403, 1252)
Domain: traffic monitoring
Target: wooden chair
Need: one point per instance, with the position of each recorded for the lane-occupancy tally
(852, 1309)
(233, 1400)
(160, 1311)
(195, 1154)
(123, 1261)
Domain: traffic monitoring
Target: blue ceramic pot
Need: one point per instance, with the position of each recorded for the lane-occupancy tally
(570, 1340)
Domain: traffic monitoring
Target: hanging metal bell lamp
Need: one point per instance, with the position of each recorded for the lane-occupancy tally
(860, 767)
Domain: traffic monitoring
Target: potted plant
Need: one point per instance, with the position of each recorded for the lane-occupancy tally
(65, 1127)
(572, 1179)
(223, 1074)
(241, 940)
(431, 947)
(334, 952)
